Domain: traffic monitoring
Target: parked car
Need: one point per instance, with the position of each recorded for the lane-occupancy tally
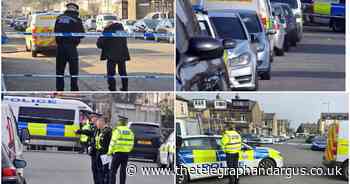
(319, 143)
(251, 139)
(166, 26)
(9, 167)
(20, 24)
(264, 55)
(198, 68)
(309, 139)
(147, 27)
(147, 140)
(291, 24)
(267, 140)
(159, 15)
(128, 25)
(90, 24)
(297, 11)
(241, 59)
(280, 25)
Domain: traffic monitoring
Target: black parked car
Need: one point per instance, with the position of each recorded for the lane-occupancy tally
(147, 140)
(284, 12)
(199, 63)
(9, 169)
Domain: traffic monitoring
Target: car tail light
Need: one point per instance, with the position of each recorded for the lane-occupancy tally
(34, 31)
(263, 20)
(9, 171)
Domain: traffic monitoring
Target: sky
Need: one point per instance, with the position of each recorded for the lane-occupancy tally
(296, 107)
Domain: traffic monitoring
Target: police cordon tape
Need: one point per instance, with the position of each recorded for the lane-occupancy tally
(87, 76)
(94, 34)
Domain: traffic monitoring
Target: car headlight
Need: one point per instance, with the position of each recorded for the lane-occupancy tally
(241, 60)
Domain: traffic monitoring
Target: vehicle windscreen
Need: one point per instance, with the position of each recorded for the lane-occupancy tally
(142, 129)
(292, 3)
(46, 115)
(202, 143)
(109, 17)
(251, 22)
(229, 28)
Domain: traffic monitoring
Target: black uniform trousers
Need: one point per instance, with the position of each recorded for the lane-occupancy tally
(67, 53)
(111, 67)
(232, 162)
(95, 169)
(119, 159)
(103, 171)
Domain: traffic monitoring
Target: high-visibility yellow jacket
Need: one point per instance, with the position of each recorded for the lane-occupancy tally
(231, 142)
(83, 137)
(122, 140)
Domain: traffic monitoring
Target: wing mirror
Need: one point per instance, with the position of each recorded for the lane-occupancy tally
(205, 48)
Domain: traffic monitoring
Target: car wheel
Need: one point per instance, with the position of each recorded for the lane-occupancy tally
(286, 45)
(337, 26)
(182, 178)
(279, 52)
(34, 53)
(267, 163)
(345, 170)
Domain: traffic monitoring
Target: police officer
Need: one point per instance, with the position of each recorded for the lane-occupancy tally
(231, 145)
(121, 144)
(68, 22)
(92, 146)
(102, 139)
(84, 139)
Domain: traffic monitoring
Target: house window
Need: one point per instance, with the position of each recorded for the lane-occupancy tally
(243, 117)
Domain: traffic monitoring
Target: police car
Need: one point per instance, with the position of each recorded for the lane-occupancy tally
(204, 151)
(166, 152)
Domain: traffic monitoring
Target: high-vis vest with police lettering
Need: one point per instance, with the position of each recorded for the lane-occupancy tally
(122, 140)
(231, 142)
(83, 137)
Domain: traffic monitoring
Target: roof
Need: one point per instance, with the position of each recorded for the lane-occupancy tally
(269, 116)
(181, 98)
(144, 123)
(200, 136)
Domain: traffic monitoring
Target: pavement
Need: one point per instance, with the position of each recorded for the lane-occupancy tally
(316, 64)
(73, 168)
(295, 154)
(147, 58)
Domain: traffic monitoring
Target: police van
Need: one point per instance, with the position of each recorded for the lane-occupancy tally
(41, 23)
(47, 121)
(337, 148)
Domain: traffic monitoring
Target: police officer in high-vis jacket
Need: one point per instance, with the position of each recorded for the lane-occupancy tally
(94, 117)
(231, 145)
(85, 139)
(67, 52)
(102, 139)
(121, 144)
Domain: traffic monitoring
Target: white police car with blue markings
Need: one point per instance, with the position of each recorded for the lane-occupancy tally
(204, 151)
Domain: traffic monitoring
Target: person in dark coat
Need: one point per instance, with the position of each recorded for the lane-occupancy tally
(67, 52)
(116, 51)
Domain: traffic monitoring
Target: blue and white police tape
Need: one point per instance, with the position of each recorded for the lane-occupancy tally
(95, 34)
(96, 76)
